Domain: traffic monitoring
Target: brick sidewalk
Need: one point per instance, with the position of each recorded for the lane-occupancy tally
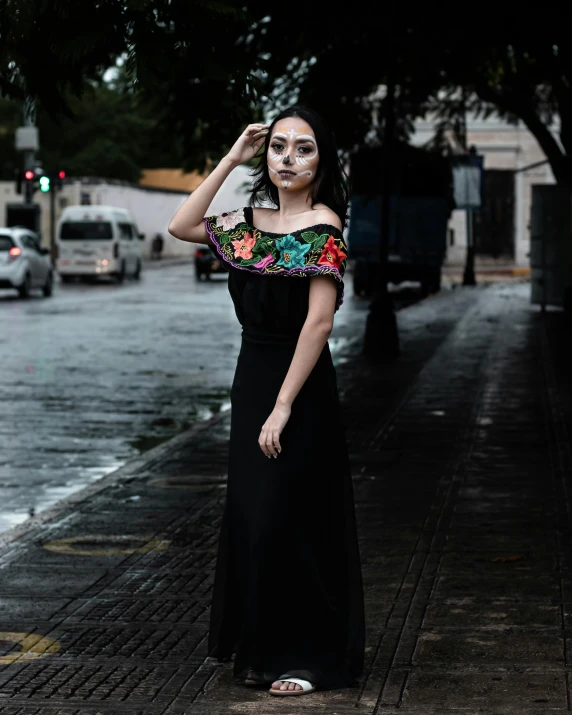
(461, 455)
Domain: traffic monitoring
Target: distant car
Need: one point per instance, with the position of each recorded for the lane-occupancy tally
(24, 264)
(207, 263)
(98, 241)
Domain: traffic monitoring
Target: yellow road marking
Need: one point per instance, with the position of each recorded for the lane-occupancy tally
(32, 647)
(72, 544)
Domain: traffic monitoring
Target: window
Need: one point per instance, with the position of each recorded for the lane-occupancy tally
(34, 243)
(6, 242)
(85, 230)
(125, 231)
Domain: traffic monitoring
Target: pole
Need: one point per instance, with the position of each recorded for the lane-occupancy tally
(53, 221)
(469, 273)
(29, 155)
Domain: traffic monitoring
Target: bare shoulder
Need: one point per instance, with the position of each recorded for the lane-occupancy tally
(323, 214)
(263, 215)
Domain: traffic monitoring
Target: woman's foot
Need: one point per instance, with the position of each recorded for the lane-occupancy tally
(291, 686)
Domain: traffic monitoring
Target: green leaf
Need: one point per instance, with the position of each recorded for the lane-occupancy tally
(310, 236)
(250, 261)
(224, 238)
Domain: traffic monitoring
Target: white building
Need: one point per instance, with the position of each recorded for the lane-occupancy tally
(502, 231)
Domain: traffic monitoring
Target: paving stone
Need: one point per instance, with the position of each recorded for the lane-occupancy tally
(501, 563)
(33, 608)
(500, 690)
(473, 612)
(140, 609)
(461, 457)
(136, 642)
(106, 682)
(501, 646)
(26, 581)
(519, 585)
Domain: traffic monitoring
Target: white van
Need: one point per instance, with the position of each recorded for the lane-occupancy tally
(97, 241)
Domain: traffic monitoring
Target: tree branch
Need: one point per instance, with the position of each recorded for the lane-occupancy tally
(558, 160)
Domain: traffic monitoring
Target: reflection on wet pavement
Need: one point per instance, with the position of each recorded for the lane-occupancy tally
(101, 372)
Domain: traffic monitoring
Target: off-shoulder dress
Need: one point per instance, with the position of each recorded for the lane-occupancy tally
(288, 595)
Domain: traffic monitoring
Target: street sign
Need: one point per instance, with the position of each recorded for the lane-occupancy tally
(27, 139)
(468, 181)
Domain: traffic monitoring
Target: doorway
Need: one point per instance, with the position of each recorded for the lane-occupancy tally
(494, 223)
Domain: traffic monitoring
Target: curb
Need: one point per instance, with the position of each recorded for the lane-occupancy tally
(130, 470)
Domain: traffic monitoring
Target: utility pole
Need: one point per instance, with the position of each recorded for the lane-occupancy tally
(469, 272)
(32, 144)
(27, 141)
(53, 223)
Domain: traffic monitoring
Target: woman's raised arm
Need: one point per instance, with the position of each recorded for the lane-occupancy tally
(187, 224)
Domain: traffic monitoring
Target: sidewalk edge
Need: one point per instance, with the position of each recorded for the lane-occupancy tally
(130, 469)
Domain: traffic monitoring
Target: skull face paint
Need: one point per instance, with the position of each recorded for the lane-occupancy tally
(292, 154)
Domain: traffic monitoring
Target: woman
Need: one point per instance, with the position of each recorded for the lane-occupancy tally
(288, 594)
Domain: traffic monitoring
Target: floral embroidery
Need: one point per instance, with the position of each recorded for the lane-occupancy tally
(317, 250)
(229, 220)
(331, 254)
(292, 252)
(263, 262)
(243, 247)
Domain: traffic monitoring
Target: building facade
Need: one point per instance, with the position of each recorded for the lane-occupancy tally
(513, 162)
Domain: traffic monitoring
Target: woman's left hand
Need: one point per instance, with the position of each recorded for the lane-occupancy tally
(269, 439)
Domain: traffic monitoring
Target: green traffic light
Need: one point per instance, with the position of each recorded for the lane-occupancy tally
(44, 183)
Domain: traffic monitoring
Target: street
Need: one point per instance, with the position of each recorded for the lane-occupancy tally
(101, 372)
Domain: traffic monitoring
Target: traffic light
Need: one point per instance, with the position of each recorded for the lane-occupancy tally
(45, 183)
(29, 185)
(59, 179)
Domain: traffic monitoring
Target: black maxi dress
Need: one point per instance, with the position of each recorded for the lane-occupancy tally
(288, 595)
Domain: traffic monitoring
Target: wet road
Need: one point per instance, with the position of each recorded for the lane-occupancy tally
(100, 372)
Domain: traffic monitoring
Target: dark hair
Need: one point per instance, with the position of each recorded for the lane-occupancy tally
(330, 185)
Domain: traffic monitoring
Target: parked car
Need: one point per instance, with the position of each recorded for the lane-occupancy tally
(206, 262)
(98, 241)
(24, 264)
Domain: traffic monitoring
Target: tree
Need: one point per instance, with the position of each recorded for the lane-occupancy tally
(55, 50)
(112, 133)
(522, 73)
(10, 118)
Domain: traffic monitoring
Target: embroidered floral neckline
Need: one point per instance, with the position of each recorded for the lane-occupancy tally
(317, 249)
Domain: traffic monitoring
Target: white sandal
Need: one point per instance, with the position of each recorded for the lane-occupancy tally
(306, 686)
